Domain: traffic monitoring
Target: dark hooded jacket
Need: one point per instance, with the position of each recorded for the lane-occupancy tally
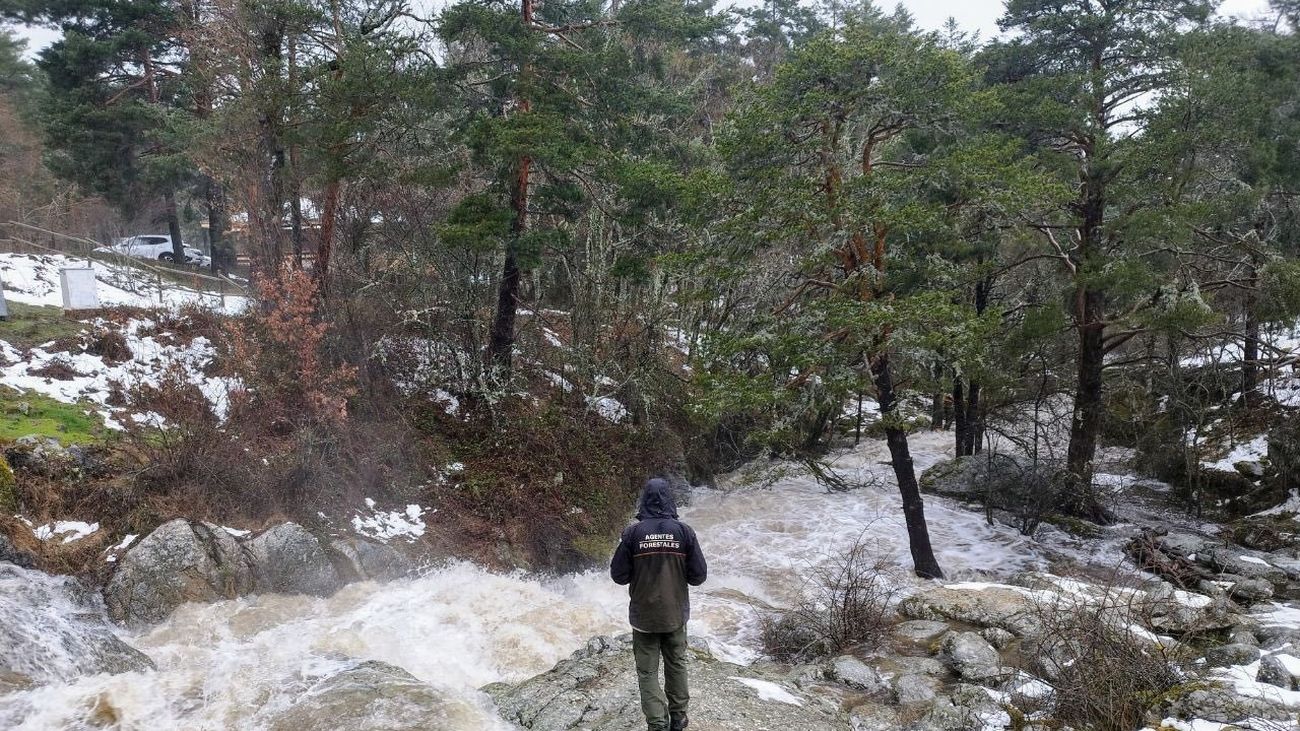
(657, 558)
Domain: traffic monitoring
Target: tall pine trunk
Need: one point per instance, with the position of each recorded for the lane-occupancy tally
(960, 425)
(1090, 324)
(1250, 343)
(325, 244)
(900, 457)
(974, 420)
(174, 228)
(501, 340)
(218, 221)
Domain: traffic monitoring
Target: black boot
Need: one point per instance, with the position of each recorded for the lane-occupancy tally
(678, 723)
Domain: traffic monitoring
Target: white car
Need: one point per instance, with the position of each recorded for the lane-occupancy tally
(157, 247)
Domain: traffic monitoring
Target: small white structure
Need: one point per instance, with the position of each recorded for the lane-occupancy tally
(79, 289)
(4, 306)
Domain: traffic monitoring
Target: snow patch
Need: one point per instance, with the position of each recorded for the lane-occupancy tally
(68, 530)
(610, 409)
(769, 691)
(384, 525)
(33, 279)
(1253, 451)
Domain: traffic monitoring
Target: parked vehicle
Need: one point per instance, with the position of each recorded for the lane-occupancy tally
(159, 248)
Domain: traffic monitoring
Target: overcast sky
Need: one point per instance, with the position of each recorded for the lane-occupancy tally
(981, 15)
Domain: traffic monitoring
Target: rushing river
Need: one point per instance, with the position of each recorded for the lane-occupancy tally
(235, 664)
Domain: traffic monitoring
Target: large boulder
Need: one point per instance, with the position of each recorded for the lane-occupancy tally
(372, 696)
(184, 561)
(595, 690)
(53, 629)
(1028, 490)
(356, 558)
(289, 560)
(179, 562)
(1011, 608)
(1226, 705)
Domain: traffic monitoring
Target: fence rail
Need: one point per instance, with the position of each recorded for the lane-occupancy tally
(130, 270)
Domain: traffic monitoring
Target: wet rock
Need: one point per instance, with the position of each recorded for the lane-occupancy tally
(1026, 489)
(966, 707)
(12, 555)
(370, 696)
(916, 689)
(1249, 591)
(1225, 705)
(970, 655)
(896, 665)
(52, 629)
(289, 560)
(1180, 612)
(177, 563)
(919, 631)
(873, 717)
(1277, 636)
(1242, 636)
(1272, 671)
(1249, 469)
(856, 674)
(595, 690)
(1189, 560)
(357, 558)
(1242, 562)
(997, 637)
(986, 605)
(1228, 655)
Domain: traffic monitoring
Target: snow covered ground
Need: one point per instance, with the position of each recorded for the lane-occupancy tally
(70, 374)
(33, 279)
(95, 379)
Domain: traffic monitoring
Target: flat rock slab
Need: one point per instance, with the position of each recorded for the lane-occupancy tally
(595, 690)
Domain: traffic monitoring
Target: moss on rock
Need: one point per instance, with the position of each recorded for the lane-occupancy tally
(8, 487)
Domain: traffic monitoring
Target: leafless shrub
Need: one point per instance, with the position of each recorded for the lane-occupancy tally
(1106, 668)
(847, 601)
(58, 369)
(110, 344)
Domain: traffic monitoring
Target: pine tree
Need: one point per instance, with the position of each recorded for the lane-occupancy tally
(1076, 77)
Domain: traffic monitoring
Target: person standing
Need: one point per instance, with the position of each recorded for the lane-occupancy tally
(659, 559)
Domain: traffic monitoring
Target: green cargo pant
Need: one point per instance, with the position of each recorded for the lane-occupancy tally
(657, 703)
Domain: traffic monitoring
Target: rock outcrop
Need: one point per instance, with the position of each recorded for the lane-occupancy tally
(289, 560)
(1010, 608)
(1197, 562)
(595, 690)
(179, 562)
(183, 561)
(370, 696)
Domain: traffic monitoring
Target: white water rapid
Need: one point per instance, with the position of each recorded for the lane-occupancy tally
(235, 664)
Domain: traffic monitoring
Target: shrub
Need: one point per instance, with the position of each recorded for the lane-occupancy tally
(109, 344)
(278, 351)
(1107, 671)
(846, 601)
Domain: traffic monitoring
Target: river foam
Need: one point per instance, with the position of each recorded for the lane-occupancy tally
(236, 664)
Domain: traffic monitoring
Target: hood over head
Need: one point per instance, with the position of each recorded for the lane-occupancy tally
(657, 500)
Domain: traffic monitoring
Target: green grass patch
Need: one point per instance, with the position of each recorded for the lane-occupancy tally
(30, 325)
(23, 413)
